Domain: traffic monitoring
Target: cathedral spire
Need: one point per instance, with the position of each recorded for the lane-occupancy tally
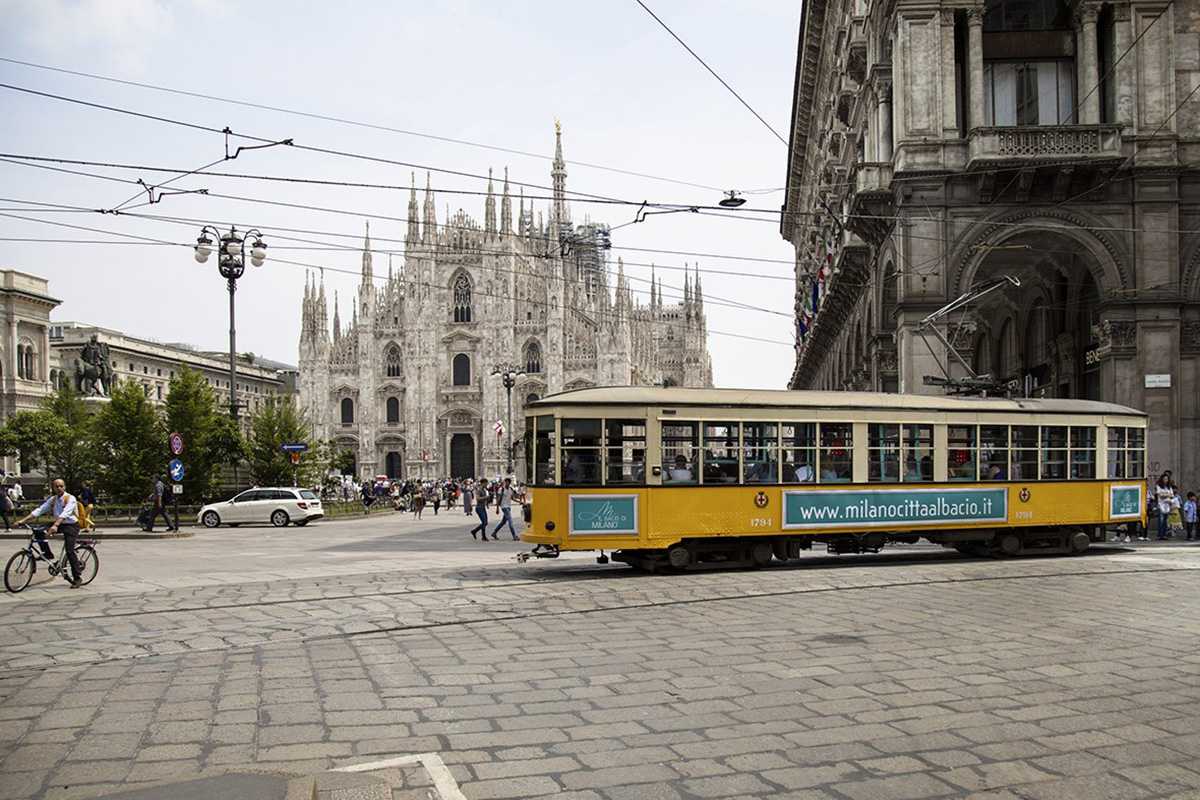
(489, 207)
(521, 228)
(429, 233)
(337, 320)
(687, 285)
(506, 208)
(368, 272)
(558, 174)
(653, 288)
(414, 222)
(699, 291)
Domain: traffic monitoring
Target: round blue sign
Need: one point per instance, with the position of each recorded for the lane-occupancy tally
(176, 469)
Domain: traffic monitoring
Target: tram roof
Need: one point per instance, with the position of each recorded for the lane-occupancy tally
(778, 398)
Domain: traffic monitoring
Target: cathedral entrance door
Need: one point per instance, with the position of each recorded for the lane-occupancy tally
(462, 455)
(391, 464)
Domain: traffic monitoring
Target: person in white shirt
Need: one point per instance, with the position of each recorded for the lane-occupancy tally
(680, 472)
(64, 509)
(804, 473)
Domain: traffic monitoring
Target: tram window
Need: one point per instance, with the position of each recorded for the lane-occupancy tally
(1083, 453)
(720, 452)
(580, 452)
(883, 453)
(544, 451)
(1116, 452)
(799, 452)
(918, 453)
(993, 452)
(680, 443)
(1024, 453)
(1136, 452)
(962, 462)
(760, 452)
(625, 451)
(1054, 452)
(837, 452)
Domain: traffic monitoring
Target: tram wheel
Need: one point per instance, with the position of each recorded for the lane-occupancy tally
(1079, 542)
(679, 557)
(1009, 544)
(761, 553)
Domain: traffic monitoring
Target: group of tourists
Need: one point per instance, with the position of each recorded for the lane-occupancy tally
(1176, 512)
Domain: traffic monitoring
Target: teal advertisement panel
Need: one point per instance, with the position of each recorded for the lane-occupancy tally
(859, 508)
(603, 514)
(1125, 501)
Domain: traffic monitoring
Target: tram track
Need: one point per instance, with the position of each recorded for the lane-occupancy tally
(127, 647)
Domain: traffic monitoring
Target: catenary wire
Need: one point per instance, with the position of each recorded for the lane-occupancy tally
(373, 126)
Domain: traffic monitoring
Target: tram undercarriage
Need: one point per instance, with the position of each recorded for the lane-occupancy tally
(761, 551)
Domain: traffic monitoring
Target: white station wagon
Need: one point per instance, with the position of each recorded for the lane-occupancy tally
(278, 506)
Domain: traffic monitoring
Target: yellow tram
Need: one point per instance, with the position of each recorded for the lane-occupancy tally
(680, 477)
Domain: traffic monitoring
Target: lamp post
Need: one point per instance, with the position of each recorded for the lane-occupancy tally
(231, 263)
(509, 374)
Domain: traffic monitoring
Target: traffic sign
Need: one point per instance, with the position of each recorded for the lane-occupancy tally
(177, 488)
(176, 469)
(176, 444)
(295, 447)
(295, 457)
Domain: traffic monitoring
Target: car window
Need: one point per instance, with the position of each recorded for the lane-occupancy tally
(283, 494)
(247, 496)
(307, 495)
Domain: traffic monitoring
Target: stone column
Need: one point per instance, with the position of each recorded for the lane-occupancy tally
(885, 121)
(975, 67)
(949, 96)
(1089, 74)
(14, 352)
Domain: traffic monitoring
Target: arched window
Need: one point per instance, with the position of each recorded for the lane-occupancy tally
(462, 299)
(393, 410)
(462, 370)
(533, 358)
(391, 361)
(887, 306)
(1007, 350)
(347, 411)
(531, 398)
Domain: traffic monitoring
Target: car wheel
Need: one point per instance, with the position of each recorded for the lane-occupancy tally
(210, 519)
(279, 518)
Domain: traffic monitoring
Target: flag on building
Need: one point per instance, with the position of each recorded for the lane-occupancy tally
(498, 428)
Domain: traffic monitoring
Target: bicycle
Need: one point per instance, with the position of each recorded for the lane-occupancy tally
(20, 568)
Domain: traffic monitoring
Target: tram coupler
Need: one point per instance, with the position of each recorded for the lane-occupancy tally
(539, 551)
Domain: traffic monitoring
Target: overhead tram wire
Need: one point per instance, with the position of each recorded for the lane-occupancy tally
(576, 195)
(371, 126)
(712, 72)
(714, 299)
(358, 274)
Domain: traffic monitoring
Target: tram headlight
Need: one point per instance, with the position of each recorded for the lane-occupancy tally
(550, 525)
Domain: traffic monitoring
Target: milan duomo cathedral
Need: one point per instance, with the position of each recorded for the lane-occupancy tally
(408, 384)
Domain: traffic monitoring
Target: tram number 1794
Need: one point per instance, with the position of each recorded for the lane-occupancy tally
(761, 522)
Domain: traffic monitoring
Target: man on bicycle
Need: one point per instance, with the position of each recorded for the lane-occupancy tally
(64, 509)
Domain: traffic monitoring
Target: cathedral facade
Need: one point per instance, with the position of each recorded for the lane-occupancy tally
(408, 385)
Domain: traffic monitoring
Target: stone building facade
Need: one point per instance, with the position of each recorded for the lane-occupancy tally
(25, 358)
(407, 384)
(936, 147)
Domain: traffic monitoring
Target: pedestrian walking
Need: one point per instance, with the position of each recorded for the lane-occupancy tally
(87, 502)
(1191, 514)
(437, 499)
(418, 503)
(6, 508)
(1164, 497)
(481, 504)
(468, 497)
(160, 505)
(505, 503)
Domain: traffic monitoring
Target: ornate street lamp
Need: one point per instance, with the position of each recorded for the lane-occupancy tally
(231, 263)
(509, 373)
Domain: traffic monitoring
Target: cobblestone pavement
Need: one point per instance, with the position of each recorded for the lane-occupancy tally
(911, 675)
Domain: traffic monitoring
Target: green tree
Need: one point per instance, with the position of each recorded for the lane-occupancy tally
(131, 443)
(279, 422)
(56, 438)
(211, 439)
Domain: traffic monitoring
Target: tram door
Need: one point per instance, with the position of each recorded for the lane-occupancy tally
(462, 455)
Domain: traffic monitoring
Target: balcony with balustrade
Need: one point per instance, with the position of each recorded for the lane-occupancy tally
(1048, 144)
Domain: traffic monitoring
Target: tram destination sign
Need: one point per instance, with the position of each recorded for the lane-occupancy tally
(868, 508)
(603, 514)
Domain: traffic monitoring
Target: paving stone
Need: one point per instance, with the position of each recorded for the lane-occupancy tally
(617, 776)
(900, 787)
(725, 785)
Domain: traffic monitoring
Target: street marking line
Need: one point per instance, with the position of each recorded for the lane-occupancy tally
(443, 780)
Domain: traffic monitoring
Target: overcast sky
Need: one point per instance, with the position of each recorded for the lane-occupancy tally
(628, 96)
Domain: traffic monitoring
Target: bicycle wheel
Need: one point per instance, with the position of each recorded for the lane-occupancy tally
(19, 571)
(89, 563)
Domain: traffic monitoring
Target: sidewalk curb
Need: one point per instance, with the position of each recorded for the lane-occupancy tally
(99, 535)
